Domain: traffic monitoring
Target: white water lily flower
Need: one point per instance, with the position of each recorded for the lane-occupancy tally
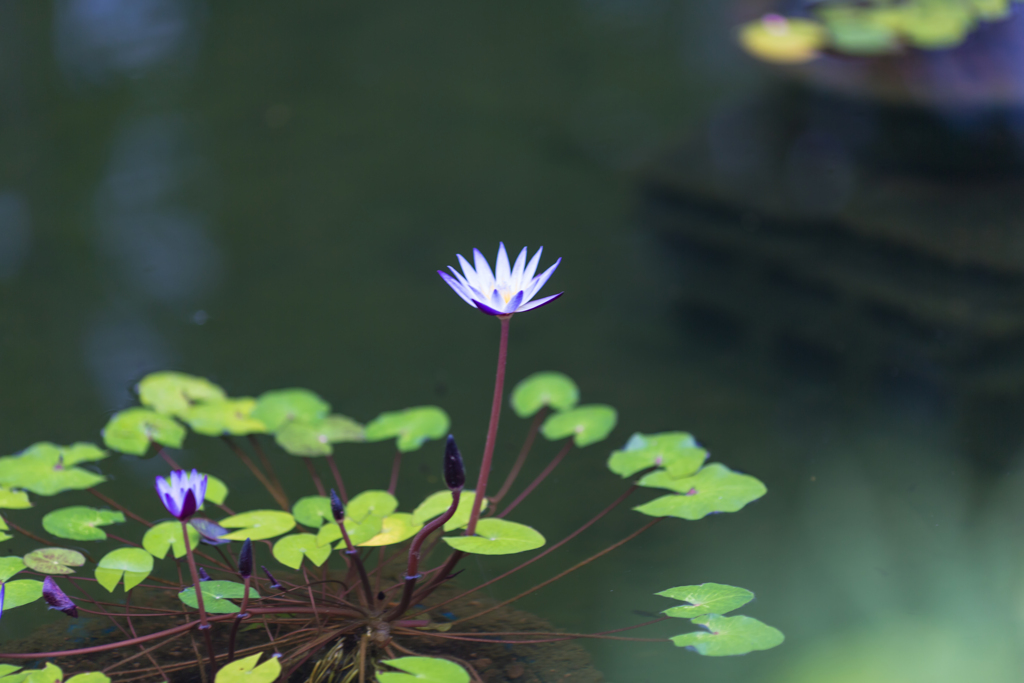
(508, 290)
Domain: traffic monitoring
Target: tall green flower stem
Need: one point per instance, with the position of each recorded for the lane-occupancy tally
(492, 427)
(204, 624)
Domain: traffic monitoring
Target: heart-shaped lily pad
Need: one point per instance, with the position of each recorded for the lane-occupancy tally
(715, 488)
(54, 560)
(553, 389)
(132, 430)
(47, 469)
(586, 424)
(21, 592)
(371, 502)
(412, 427)
(278, 407)
(436, 504)
(91, 677)
(707, 598)
(167, 536)
(423, 670)
(396, 527)
(80, 523)
(9, 566)
(313, 511)
(135, 564)
(729, 636)
(258, 525)
(359, 531)
(245, 670)
(217, 596)
(289, 550)
(677, 452)
(173, 393)
(216, 490)
(497, 537)
(13, 500)
(230, 416)
(312, 439)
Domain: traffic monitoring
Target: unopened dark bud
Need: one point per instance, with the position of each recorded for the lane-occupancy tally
(454, 470)
(57, 599)
(245, 560)
(203, 576)
(337, 509)
(273, 581)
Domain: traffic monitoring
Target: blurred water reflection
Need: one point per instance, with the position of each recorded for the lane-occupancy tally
(15, 233)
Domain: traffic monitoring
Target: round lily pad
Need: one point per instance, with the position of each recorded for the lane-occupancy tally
(707, 598)
(497, 537)
(216, 490)
(245, 670)
(371, 502)
(677, 452)
(436, 504)
(312, 439)
(230, 416)
(277, 408)
(313, 511)
(134, 564)
(395, 528)
(167, 536)
(586, 424)
(715, 488)
(358, 531)
(173, 393)
(9, 566)
(91, 677)
(412, 427)
(13, 500)
(289, 550)
(80, 523)
(729, 636)
(54, 560)
(21, 592)
(47, 469)
(423, 670)
(132, 430)
(258, 525)
(217, 596)
(553, 389)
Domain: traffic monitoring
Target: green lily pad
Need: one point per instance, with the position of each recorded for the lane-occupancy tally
(132, 430)
(715, 488)
(313, 439)
(395, 528)
(278, 407)
(216, 491)
(729, 636)
(8, 669)
(9, 566)
(13, 500)
(677, 452)
(553, 389)
(167, 536)
(371, 502)
(707, 598)
(135, 564)
(436, 504)
(413, 426)
(358, 531)
(423, 670)
(497, 537)
(54, 560)
(173, 393)
(50, 673)
(258, 525)
(4, 528)
(313, 511)
(290, 550)
(21, 592)
(80, 523)
(585, 424)
(231, 416)
(91, 677)
(217, 596)
(47, 469)
(245, 670)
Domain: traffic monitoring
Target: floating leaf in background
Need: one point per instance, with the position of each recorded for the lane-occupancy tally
(359, 531)
(91, 677)
(47, 469)
(423, 670)
(21, 592)
(857, 32)
(729, 636)
(707, 598)
(371, 502)
(245, 670)
(8, 669)
(54, 560)
(132, 430)
(290, 550)
(232, 416)
(167, 536)
(80, 523)
(585, 424)
(135, 564)
(217, 596)
(553, 389)
(173, 393)
(4, 528)
(280, 406)
(413, 426)
(676, 451)
(258, 525)
(312, 439)
(9, 566)
(497, 537)
(216, 491)
(715, 488)
(436, 504)
(13, 500)
(395, 528)
(313, 511)
(782, 40)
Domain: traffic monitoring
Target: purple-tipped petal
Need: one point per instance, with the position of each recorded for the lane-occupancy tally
(188, 506)
(540, 280)
(57, 599)
(3, 593)
(502, 271)
(513, 304)
(451, 282)
(487, 309)
(517, 269)
(539, 302)
(467, 269)
(532, 267)
(485, 278)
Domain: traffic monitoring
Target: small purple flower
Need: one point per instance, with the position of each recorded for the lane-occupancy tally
(58, 599)
(183, 496)
(508, 290)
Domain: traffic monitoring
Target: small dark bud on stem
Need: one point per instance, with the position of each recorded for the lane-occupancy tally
(57, 599)
(337, 509)
(454, 470)
(273, 581)
(245, 560)
(203, 576)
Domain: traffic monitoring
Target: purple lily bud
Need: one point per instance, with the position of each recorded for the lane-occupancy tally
(508, 289)
(337, 509)
(184, 494)
(57, 599)
(203, 576)
(245, 560)
(454, 469)
(273, 581)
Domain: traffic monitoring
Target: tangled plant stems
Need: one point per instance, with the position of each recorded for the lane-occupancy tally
(358, 616)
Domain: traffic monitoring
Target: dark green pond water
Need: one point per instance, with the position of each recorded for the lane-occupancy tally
(261, 193)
